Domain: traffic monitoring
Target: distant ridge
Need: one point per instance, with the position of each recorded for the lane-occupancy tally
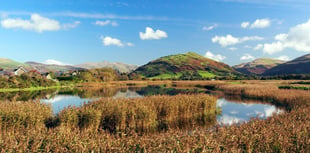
(257, 66)
(121, 67)
(51, 67)
(41, 67)
(300, 65)
(10, 64)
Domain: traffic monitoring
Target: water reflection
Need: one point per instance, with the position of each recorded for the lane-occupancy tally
(59, 102)
(233, 109)
(238, 112)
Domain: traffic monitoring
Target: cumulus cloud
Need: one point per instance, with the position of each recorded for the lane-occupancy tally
(54, 62)
(208, 28)
(151, 34)
(231, 40)
(109, 41)
(261, 23)
(36, 23)
(245, 24)
(298, 38)
(284, 58)
(105, 23)
(215, 57)
(247, 57)
(258, 23)
(71, 25)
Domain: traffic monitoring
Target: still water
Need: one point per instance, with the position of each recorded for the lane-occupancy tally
(232, 111)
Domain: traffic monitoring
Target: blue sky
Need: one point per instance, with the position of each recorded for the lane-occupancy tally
(135, 32)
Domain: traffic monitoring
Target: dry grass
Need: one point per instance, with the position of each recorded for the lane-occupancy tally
(154, 113)
(78, 127)
(290, 99)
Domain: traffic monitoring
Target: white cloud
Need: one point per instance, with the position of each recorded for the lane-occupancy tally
(151, 34)
(37, 23)
(109, 41)
(281, 37)
(130, 44)
(274, 47)
(71, 25)
(111, 16)
(284, 58)
(247, 57)
(258, 23)
(225, 40)
(105, 23)
(261, 23)
(233, 48)
(258, 47)
(208, 28)
(245, 24)
(231, 40)
(217, 57)
(54, 62)
(252, 38)
(298, 38)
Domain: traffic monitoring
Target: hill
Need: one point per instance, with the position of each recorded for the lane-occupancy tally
(299, 65)
(51, 67)
(121, 67)
(10, 64)
(258, 66)
(180, 65)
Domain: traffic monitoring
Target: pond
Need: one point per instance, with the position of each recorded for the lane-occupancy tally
(232, 111)
(228, 110)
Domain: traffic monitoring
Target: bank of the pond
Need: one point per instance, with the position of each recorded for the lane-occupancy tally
(30, 89)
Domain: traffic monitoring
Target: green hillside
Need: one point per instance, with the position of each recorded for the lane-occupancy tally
(191, 65)
(258, 66)
(10, 64)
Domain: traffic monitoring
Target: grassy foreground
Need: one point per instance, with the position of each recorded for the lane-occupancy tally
(79, 130)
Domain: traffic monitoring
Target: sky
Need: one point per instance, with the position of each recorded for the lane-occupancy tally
(136, 32)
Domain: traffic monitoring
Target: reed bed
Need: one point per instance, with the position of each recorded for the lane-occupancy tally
(154, 113)
(289, 99)
(283, 133)
(81, 129)
(19, 114)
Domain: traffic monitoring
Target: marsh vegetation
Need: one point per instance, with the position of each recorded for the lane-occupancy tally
(159, 123)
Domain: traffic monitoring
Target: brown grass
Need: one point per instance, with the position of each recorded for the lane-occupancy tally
(143, 114)
(290, 99)
(288, 132)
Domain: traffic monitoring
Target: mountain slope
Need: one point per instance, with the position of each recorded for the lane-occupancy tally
(10, 64)
(299, 65)
(121, 67)
(47, 67)
(258, 66)
(174, 66)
